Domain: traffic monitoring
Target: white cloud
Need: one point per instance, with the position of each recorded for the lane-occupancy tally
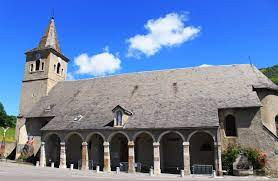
(70, 76)
(166, 31)
(205, 65)
(99, 64)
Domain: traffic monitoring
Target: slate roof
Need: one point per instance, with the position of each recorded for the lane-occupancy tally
(179, 98)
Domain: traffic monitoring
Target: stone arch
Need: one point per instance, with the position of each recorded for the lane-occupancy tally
(74, 142)
(72, 133)
(143, 132)
(171, 152)
(94, 133)
(95, 142)
(167, 132)
(117, 132)
(52, 149)
(143, 149)
(200, 131)
(201, 148)
(46, 136)
(119, 150)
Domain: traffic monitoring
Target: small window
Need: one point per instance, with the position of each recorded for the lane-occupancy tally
(31, 67)
(54, 68)
(62, 71)
(276, 122)
(230, 126)
(42, 65)
(119, 117)
(58, 68)
(38, 62)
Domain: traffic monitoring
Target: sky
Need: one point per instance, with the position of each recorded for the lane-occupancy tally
(119, 36)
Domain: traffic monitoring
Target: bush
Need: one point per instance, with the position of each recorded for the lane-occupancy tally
(228, 158)
(257, 158)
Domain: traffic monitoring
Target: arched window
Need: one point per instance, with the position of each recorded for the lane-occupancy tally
(42, 65)
(54, 68)
(38, 62)
(230, 126)
(31, 68)
(119, 117)
(276, 122)
(58, 68)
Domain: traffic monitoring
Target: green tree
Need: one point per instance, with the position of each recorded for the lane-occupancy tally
(6, 120)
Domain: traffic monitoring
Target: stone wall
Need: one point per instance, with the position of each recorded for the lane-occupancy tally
(251, 133)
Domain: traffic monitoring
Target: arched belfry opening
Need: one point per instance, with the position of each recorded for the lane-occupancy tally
(58, 68)
(201, 149)
(52, 150)
(95, 151)
(171, 153)
(144, 152)
(38, 63)
(74, 150)
(119, 152)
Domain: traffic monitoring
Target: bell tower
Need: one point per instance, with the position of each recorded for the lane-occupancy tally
(45, 66)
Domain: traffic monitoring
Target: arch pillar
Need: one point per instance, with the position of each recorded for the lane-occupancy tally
(156, 158)
(85, 160)
(217, 158)
(106, 167)
(42, 155)
(186, 158)
(63, 160)
(131, 157)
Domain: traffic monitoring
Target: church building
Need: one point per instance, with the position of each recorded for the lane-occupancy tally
(167, 120)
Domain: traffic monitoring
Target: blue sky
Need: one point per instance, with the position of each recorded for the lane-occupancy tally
(227, 32)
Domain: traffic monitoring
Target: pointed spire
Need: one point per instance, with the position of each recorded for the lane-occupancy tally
(50, 39)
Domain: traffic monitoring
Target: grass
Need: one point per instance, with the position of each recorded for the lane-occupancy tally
(10, 135)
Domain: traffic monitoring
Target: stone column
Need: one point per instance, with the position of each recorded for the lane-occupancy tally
(217, 158)
(63, 160)
(85, 160)
(131, 157)
(42, 155)
(106, 167)
(186, 158)
(156, 158)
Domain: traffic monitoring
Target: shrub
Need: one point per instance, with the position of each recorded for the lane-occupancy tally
(228, 158)
(257, 158)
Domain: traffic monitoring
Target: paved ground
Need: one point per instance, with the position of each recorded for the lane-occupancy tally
(15, 172)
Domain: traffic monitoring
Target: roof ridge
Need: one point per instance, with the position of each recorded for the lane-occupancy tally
(153, 71)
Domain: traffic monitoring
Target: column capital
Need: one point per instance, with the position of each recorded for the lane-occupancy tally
(155, 144)
(105, 143)
(84, 143)
(62, 143)
(186, 143)
(217, 144)
(42, 143)
(131, 143)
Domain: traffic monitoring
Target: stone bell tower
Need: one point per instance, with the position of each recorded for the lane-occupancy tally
(45, 66)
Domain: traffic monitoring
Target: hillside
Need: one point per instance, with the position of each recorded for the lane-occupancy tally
(271, 73)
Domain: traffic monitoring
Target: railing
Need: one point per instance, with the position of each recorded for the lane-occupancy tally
(202, 169)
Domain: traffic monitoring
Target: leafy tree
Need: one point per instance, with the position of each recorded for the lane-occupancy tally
(6, 120)
(271, 73)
